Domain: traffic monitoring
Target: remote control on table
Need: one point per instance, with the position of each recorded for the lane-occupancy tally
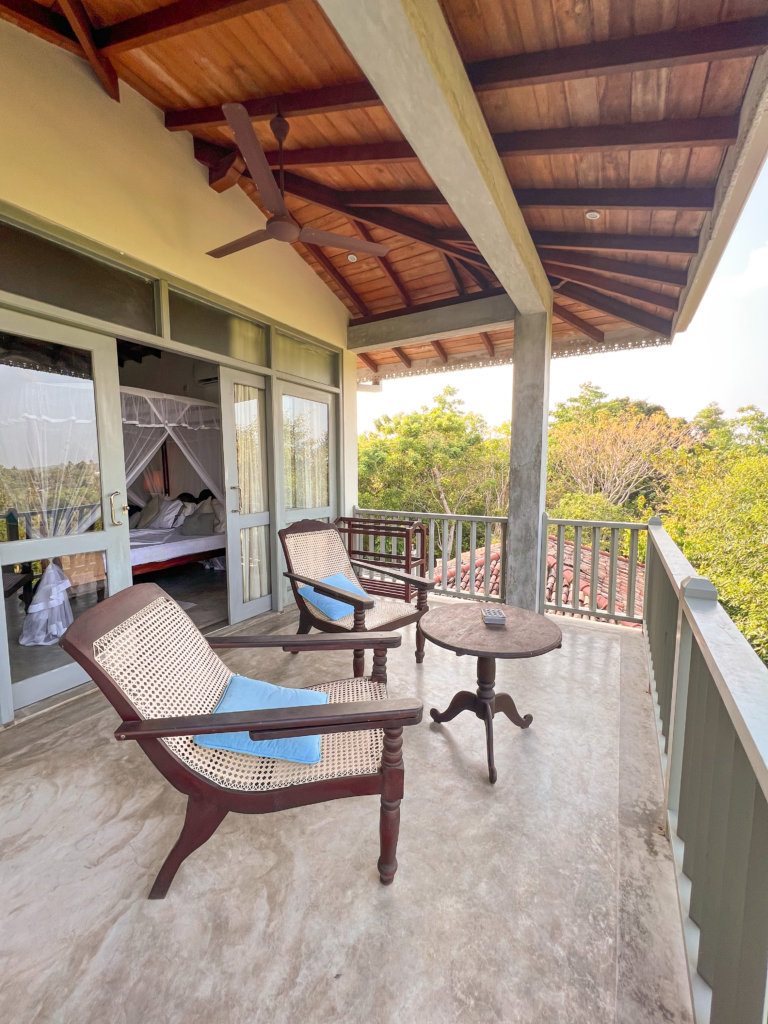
(494, 617)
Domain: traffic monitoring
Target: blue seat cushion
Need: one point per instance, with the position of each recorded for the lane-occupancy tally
(244, 694)
(329, 605)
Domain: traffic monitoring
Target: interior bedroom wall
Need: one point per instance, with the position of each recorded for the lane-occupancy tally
(112, 172)
(172, 374)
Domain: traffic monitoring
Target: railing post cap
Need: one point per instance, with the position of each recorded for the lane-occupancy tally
(699, 587)
(654, 521)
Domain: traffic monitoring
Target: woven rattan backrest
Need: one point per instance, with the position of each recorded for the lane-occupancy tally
(161, 662)
(318, 553)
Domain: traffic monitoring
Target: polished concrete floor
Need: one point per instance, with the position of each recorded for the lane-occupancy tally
(547, 898)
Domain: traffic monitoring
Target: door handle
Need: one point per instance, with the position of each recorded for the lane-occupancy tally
(124, 509)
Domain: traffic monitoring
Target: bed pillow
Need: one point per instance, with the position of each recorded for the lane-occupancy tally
(220, 513)
(133, 522)
(329, 606)
(199, 524)
(149, 512)
(244, 694)
(169, 509)
(187, 508)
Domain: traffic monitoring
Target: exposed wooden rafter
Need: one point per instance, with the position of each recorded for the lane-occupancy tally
(368, 361)
(578, 322)
(611, 284)
(386, 266)
(440, 352)
(618, 198)
(489, 346)
(41, 22)
(659, 49)
(709, 131)
(80, 23)
(173, 20)
(340, 280)
(404, 359)
(314, 192)
(622, 243)
(731, 39)
(622, 310)
(638, 271)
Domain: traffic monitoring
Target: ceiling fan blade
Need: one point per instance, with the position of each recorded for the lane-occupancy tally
(316, 237)
(256, 162)
(240, 243)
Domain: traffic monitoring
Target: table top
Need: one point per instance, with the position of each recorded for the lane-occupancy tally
(459, 627)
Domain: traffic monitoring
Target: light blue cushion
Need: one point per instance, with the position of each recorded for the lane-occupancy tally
(244, 694)
(329, 605)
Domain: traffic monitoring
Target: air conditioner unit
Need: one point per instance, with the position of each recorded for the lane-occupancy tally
(205, 373)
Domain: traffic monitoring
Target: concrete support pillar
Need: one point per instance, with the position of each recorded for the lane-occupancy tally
(528, 457)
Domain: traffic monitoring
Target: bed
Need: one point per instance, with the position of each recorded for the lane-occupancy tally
(152, 550)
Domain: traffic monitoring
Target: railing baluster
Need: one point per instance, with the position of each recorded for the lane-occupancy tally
(444, 547)
(472, 546)
(634, 536)
(575, 588)
(612, 570)
(594, 570)
(457, 575)
(558, 591)
(431, 551)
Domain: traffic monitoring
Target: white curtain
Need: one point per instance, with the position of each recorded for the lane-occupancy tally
(195, 426)
(49, 459)
(305, 449)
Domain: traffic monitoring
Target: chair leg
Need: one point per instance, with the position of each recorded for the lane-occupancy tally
(392, 792)
(201, 821)
(423, 607)
(304, 627)
(419, 645)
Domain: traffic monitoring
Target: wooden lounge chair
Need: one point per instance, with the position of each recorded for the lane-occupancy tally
(164, 679)
(315, 550)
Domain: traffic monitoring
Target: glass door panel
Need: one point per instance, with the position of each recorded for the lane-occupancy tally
(63, 535)
(243, 419)
(308, 447)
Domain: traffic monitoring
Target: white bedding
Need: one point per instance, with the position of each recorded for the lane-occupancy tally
(160, 545)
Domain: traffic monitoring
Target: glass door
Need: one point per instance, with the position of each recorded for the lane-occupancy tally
(308, 443)
(243, 427)
(63, 532)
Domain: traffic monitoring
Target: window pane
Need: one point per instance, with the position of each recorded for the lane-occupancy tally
(305, 450)
(249, 436)
(43, 598)
(49, 462)
(304, 360)
(254, 548)
(214, 329)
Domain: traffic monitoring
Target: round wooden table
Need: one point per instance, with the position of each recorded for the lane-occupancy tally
(459, 627)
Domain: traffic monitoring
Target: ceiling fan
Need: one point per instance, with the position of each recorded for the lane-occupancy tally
(280, 226)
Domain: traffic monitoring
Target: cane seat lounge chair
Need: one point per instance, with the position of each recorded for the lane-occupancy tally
(164, 679)
(314, 551)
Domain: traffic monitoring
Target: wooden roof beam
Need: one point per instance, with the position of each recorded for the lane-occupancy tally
(618, 198)
(42, 22)
(578, 322)
(659, 49)
(489, 346)
(739, 38)
(404, 359)
(386, 266)
(611, 285)
(172, 20)
(638, 271)
(622, 243)
(366, 360)
(622, 310)
(340, 280)
(440, 352)
(77, 17)
(684, 132)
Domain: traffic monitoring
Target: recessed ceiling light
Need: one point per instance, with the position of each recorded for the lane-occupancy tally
(592, 215)
(351, 257)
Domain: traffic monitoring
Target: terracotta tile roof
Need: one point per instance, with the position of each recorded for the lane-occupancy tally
(585, 576)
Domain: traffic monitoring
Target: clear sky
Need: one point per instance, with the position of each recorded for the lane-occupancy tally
(722, 357)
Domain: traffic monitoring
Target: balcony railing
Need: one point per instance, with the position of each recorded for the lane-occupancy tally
(464, 553)
(711, 692)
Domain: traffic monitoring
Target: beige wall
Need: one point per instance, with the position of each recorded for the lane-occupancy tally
(111, 172)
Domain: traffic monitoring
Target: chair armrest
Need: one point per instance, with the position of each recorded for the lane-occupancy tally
(341, 595)
(313, 642)
(407, 577)
(280, 723)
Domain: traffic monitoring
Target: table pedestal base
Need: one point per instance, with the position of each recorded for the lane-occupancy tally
(485, 704)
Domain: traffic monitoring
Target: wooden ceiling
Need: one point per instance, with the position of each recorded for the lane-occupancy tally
(624, 108)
